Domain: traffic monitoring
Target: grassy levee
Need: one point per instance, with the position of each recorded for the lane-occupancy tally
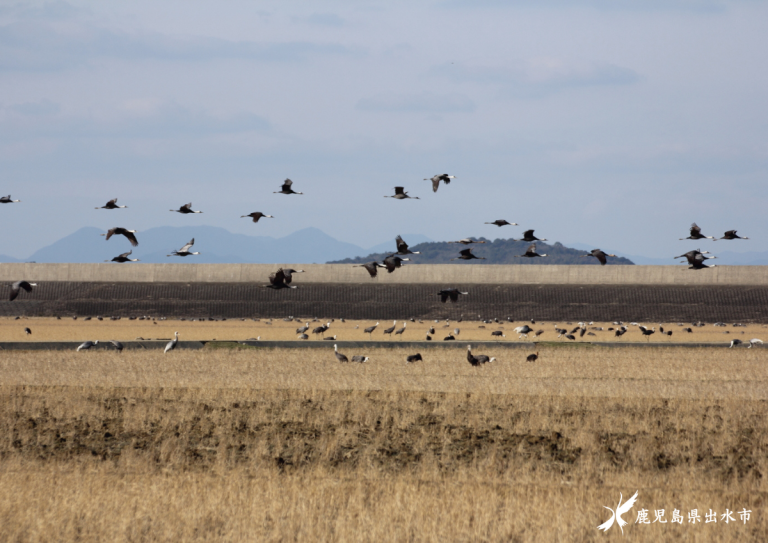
(278, 445)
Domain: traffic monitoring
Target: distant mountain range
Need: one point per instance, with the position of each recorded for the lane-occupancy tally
(312, 245)
(499, 251)
(216, 245)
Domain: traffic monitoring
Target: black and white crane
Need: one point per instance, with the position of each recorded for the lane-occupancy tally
(450, 294)
(599, 255)
(413, 358)
(530, 252)
(399, 332)
(647, 332)
(321, 330)
(533, 357)
(340, 357)
(286, 188)
(402, 247)
(118, 346)
(528, 236)
(185, 251)
(444, 177)
(400, 194)
(696, 255)
(696, 233)
(502, 222)
(112, 204)
(7, 200)
(467, 241)
(18, 286)
(360, 359)
(371, 267)
(731, 234)
(466, 254)
(256, 215)
(370, 330)
(282, 278)
(393, 262)
(185, 209)
(124, 258)
(120, 231)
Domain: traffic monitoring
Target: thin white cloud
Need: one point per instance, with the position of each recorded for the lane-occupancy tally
(31, 46)
(425, 102)
(540, 76)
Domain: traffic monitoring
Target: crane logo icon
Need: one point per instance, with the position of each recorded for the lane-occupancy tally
(616, 514)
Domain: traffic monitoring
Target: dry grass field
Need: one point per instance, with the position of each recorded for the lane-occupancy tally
(66, 329)
(250, 444)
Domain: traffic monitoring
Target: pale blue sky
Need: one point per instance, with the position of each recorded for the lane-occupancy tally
(615, 123)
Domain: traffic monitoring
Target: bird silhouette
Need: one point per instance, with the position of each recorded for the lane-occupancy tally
(616, 515)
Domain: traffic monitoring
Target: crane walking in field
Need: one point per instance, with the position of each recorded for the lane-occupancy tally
(340, 357)
(172, 344)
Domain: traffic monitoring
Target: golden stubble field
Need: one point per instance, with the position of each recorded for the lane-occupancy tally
(66, 329)
(276, 444)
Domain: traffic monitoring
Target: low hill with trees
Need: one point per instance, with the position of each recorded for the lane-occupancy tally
(498, 251)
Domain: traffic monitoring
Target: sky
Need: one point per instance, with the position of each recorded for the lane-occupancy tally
(616, 123)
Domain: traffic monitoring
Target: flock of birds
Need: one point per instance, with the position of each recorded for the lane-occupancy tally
(283, 277)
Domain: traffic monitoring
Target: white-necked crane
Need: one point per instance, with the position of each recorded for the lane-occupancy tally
(754, 341)
(444, 177)
(400, 194)
(477, 360)
(466, 241)
(735, 342)
(360, 359)
(185, 209)
(302, 329)
(400, 331)
(391, 329)
(731, 234)
(303, 336)
(696, 233)
(332, 338)
(28, 331)
(172, 344)
(320, 330)
(414, 358)
(528, 236)
(283, 276)
(286, 188)
(370, 330)
(340, 357)
(697, 263)
(523, 331)
(371, 267)
(466, 254)
(402, 247)
(497, 333)
(393, 262)
(502, 222)
(112, 204)
(692, 256)
(7, 200)
(450, 294)
(120, 231)
(530, 252)
(647, 332)
(599, 255)
(87, 345)
(256, 215)
(449, 337)
(185, 251)
(123, 258)
(18, 286)
(118, 346)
